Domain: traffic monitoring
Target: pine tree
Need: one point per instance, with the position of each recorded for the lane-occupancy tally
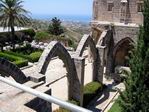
(136, 96)
(55, 27)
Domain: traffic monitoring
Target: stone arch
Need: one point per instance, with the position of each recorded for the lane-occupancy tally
(9, 69)
(85, 41)
(56, 49)
(121, 50)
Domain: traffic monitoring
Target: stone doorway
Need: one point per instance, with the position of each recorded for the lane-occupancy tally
(122, 51)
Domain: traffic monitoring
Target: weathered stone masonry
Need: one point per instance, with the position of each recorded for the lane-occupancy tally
(115, 26)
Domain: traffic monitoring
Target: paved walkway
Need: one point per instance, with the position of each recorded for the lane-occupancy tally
(56, 79)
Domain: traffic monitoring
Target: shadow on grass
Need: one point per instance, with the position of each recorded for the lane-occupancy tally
(100, 98)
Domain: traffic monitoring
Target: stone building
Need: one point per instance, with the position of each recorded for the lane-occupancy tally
(115, 26)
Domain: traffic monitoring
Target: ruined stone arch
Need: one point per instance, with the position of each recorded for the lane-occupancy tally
(56, 49)
(9, 69)
(88, 41)
(121, 50)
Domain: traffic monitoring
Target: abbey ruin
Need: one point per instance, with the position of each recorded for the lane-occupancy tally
(115, 25)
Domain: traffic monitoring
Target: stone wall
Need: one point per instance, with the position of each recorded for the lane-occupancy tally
(112, 36)
(121, 32)
(101, 13)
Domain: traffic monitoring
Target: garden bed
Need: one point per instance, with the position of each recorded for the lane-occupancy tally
(27, 52)
(20, 62)
(32, 57)
(22, 55)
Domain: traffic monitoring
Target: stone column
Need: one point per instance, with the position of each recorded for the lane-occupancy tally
(90, 55)
(101, 51)
(109, 64)
(79, 64)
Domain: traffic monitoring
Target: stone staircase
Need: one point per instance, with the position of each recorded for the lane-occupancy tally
(33, 75)
(15, 100)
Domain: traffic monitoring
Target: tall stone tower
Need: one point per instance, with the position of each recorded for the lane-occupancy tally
(115, 25)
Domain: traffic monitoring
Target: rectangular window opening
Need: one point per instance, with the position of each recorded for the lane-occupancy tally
(140, 7)
(110, 6)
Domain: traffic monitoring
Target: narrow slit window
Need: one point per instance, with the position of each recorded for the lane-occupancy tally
(110, 6)
(140, 7)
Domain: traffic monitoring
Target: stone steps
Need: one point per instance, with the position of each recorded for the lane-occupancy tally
(33, 84)
(37, 78)
(15, 100)
(33, 75)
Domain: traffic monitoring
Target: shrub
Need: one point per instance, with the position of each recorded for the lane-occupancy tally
(65, 110)
(8, 57)
(73, 102)
(27, 49)
(35, 56)
(21, 63)
(90, 91)
(41, 35)
(61, 110)
(29, 32)
(16, 54)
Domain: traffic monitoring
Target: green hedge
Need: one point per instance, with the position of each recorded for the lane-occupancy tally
(90, 91)
(61, 110)
(20, 62)
(29, 32)
(8, 57)
(65, 110)
(33, 57)
(41, 35)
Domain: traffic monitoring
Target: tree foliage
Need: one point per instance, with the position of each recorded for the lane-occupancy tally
(55, 27)
(13, 14)
(136, 96)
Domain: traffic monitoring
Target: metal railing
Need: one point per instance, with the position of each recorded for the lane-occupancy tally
(48, 98)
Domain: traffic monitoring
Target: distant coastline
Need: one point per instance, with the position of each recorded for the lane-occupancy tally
(74, 18)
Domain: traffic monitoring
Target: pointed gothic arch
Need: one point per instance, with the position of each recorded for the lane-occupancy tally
(121, 50)
(9, 69)
(57, 49)
(88, 41)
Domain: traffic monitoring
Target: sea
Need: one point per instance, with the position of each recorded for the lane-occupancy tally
(74, 18)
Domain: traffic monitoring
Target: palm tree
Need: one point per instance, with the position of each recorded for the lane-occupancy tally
(13, 14)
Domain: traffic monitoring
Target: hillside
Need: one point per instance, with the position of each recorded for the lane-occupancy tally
(73, 30)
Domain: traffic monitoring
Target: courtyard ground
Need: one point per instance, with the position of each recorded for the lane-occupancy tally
(12, 99)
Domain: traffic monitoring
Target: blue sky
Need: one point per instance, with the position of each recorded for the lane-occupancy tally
(61, 7)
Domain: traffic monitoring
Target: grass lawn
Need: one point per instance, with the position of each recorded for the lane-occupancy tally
(115, 107)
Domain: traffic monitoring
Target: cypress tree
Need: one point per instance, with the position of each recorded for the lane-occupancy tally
(136, 96)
